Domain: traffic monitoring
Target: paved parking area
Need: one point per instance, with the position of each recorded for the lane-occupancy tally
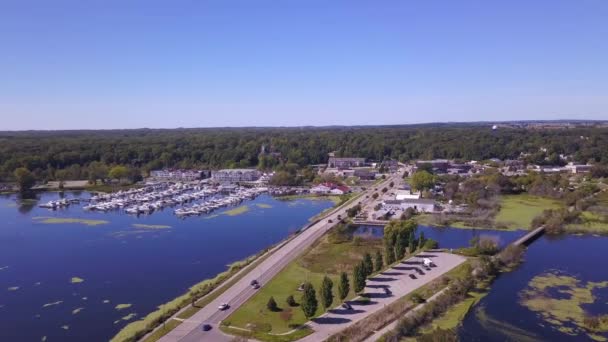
(397, 280)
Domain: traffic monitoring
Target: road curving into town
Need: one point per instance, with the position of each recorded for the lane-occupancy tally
(240, 292)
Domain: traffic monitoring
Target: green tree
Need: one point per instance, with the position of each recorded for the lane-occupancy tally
(358, 278)
(291, 301)
(378, 262)
(399, 249)
(25, 179)
(412, 246)
(421, 239)
(327, 296)
(423, 180)
(368, 264)
(343, 286)
(375, 195)
(272, 304)
(309, 301)
(389, 254)
(118, 172)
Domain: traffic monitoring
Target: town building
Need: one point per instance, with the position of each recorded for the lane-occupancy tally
(420, 205)
(179, 175)
(578, 168)
(364, 174)
(438, 165)
(345, 163)
(235, 175)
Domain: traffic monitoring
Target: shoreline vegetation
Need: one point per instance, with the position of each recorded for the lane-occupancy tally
(199, 292)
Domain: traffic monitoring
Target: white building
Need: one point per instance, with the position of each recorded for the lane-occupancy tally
(235, 175)
(178, 175)
(320, 189)
(406, 194)
(420, 205)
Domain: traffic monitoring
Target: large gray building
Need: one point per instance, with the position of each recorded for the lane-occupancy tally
(235, 175)
(345, 163)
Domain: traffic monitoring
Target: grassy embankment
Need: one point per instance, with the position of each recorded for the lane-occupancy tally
(594, 220)
(334, 253)
(516, 212)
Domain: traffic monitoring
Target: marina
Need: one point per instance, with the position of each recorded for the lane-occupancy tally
(191, 199)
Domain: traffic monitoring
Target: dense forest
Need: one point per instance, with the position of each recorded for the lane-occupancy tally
(89, 154)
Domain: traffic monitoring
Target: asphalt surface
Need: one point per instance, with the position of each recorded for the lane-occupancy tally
(396, 279)
(239, 293)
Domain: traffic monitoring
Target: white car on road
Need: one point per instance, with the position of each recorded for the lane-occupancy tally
(223, 306)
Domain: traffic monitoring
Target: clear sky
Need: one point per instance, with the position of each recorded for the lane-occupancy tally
(128, 64)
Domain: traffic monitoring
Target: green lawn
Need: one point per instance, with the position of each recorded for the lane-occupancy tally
(518, 211)
(323, 258)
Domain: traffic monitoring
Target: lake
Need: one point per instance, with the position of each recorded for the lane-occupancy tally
(74, 280)
(516, 309)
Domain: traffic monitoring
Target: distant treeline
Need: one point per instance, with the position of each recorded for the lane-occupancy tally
(88, 154)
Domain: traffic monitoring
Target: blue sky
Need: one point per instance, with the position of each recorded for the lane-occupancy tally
(128, 64)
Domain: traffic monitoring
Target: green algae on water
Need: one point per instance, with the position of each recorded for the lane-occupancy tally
(60, 220)
(76, 280)
(237, 211)
(52, 304)
(566, 313)
(122, 306)
(150, 226)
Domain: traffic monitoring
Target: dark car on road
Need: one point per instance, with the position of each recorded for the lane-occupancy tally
(413, 276)
(254, 282)
(206, 327)
(346, 306)
(387, 291)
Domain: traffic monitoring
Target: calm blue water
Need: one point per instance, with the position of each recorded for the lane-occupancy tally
(119, 263)
(583, 257)
(450, 237)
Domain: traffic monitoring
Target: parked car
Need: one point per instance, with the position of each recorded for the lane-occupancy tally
(206, 327)
(346, 306)
(223, 306)
(330, 221)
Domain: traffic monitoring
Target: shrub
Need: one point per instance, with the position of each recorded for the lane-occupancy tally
(417, 298)
(291, 301)
(272, 305)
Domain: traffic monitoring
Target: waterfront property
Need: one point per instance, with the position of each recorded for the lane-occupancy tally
(179, 175)
(235, 175)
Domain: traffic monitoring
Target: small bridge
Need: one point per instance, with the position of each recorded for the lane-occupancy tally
(530, 237)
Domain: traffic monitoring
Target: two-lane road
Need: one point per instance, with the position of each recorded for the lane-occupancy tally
(241, 291)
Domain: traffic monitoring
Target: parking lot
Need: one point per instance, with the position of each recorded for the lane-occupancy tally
(398, 281)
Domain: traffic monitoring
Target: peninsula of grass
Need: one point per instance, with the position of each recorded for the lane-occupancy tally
(150, 226)
(518, 211)
(334, 253)
(65, 220)
(591, 223)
